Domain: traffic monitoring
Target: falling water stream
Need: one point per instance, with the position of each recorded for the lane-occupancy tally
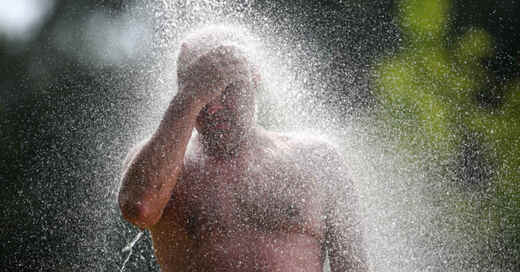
(128, 248)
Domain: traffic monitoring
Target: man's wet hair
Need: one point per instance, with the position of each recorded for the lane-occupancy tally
(203, 40)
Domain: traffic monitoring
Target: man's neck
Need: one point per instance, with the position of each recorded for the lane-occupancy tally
(220, 150)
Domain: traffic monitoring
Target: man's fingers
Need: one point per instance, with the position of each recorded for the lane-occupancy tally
(218, 68)
(230, 61)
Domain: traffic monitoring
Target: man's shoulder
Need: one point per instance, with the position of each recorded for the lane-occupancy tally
(309, 141)
(306, 144)
(316, 153)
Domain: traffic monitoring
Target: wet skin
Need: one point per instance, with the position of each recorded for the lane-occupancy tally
(261, 210)
(232, 196)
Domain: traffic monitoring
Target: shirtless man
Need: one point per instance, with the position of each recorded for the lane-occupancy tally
(233, 196)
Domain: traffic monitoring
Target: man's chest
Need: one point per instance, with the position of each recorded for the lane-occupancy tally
(270, 197)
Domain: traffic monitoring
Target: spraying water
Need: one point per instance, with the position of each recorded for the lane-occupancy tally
(70, 120)
(406, 228)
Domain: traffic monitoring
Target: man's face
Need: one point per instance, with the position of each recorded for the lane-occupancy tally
(225, 120)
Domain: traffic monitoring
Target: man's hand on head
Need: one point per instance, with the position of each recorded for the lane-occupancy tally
(212, 72)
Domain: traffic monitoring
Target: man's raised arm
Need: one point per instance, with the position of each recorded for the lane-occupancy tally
(153, 170)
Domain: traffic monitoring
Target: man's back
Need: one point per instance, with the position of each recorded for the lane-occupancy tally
(263, 211)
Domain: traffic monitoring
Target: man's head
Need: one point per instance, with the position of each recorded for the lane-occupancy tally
(225, 122)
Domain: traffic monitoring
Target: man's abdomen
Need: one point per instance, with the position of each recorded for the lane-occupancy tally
(257, 251)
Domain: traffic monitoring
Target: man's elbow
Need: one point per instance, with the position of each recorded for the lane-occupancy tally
(138, 213)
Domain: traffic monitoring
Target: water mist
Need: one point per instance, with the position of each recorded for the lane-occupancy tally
(405, 228)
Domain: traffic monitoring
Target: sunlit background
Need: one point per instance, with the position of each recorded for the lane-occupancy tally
(22, 20)
(423, 98)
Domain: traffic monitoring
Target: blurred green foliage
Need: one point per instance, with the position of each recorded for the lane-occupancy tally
(423, 21)
(500, 129)
(428, 97)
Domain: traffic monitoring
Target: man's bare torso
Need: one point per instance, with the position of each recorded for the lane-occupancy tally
(262, 211)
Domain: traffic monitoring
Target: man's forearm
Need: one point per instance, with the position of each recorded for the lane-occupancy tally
(154, 170)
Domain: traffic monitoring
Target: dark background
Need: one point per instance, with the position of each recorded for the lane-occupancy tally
(67, 118)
